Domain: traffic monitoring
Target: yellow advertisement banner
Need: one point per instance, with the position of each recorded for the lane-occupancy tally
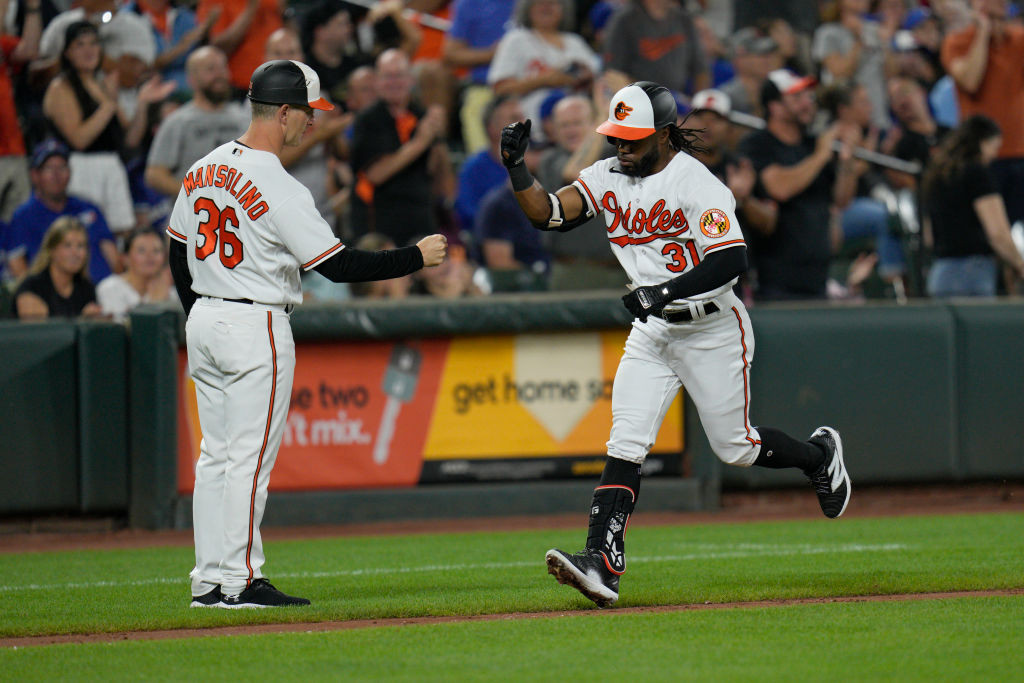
(532, 395)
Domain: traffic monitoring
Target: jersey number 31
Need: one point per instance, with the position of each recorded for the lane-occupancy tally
(215, 230)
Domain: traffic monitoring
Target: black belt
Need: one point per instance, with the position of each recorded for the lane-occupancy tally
(288, 308)
(684, 315)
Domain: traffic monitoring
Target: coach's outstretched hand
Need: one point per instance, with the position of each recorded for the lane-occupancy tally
(645, 301)
(515, 138)
(433, 248)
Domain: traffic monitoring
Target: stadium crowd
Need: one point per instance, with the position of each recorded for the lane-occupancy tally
(875, 147)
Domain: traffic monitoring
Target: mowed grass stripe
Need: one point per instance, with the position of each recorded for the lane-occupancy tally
(505, 572)
(257, 629)
(927, 640)
(745, 550)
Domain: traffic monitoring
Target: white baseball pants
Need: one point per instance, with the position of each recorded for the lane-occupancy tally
(242, 360)
(711, 358)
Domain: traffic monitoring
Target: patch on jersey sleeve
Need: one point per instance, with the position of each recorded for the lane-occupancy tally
(714, 223)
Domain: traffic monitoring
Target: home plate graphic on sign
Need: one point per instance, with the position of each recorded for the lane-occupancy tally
(548, 373)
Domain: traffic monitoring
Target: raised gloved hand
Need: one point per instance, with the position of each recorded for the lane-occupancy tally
(515, 138)
(645, 301)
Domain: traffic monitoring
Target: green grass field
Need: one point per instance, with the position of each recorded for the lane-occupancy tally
(971, 638)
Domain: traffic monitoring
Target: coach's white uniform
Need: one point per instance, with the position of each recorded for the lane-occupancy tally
(248, 227)
(660, 226)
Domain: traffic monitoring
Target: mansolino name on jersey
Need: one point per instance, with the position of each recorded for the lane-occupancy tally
(222, 175)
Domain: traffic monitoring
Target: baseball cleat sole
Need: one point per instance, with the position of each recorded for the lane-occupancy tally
(567, 574)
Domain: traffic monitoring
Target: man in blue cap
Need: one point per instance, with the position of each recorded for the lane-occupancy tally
(50, 175)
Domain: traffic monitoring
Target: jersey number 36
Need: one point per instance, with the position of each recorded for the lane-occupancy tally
(215, 230)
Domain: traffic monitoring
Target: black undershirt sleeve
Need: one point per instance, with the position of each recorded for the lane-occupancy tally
(356, 265)
(717, 269)
(178, 260)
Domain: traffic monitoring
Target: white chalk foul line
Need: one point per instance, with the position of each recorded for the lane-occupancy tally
(735, 551)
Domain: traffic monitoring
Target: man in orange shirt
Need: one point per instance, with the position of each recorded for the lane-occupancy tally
(241, 32)
(986, 61)
(14, 52)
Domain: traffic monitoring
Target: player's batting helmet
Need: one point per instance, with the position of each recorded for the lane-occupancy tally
(285, 81)
(638, 110)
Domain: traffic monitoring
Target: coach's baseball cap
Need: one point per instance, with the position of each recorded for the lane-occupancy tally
(638, 110)
(46, 149)
(712, 100)
(285, 81)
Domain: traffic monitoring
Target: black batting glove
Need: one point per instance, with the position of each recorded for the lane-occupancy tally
(515, 138)
(645, 301)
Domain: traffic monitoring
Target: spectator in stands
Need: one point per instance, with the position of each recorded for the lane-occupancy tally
(754, 56)
(14, 52)
(455, 278)
(6, 278)
(241, 33)
(916, 133)
(654, 40)
(716, 52)
(985, 61)
(332, 47)
(307, 161)
(794, 51)
(360, 93)
(539, 55)
(361, 90)
(484, 171)
(967, 215)
(918, 44)
(581, 258)
(508, 242)
(395, 288)
(866, 216)
(176, 34)
(81, 105)
(391, 29)
(400, 161)
(146, 278)
(191, 131)
(802, 15)
(57, 285)
(51, 176)
(856, 48)
(797, 171)
(477, 26)
(115, 28)
(711, 109)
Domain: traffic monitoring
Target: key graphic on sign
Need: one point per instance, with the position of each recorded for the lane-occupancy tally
(399, 384)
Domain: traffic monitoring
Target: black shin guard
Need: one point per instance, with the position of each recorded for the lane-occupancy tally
(614, 499)
(779, 450)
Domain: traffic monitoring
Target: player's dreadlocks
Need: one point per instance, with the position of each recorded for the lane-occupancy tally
(683, 139)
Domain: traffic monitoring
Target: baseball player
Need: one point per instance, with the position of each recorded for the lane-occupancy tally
(241, 230)
(673, 227)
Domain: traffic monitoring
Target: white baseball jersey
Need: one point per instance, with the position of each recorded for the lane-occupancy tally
(664, 224)
(249, 227)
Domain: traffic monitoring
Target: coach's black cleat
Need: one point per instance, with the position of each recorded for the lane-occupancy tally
(830, 481)
(211, 599)
(260, 593)
(587, 572)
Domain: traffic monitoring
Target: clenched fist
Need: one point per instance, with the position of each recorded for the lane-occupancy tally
(434, 248)
(515, 138)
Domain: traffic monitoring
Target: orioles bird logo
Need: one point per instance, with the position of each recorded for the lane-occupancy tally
(622, 111)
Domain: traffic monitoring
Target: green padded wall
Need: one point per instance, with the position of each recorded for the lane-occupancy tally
(883, 376)
(103, 416)
(38, 418)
